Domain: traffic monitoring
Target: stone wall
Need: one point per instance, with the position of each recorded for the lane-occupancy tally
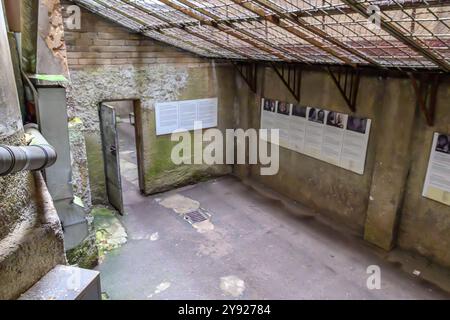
(385, 205)
(31, 240)
(108, 62)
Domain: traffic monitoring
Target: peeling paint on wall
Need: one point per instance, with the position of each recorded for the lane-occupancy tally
(51, 33)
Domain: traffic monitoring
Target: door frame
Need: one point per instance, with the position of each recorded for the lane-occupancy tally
(137, 109)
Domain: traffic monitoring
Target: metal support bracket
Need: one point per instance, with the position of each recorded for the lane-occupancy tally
(347, 81)
(426, 87)
(248, 72)
(291, 76)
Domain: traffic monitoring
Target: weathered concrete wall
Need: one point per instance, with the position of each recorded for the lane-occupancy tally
(339, 194)
(425, 224)
(31, 240)
(384, 204)
(107, 62)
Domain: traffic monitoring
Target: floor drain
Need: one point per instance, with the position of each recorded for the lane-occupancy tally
(197, 216)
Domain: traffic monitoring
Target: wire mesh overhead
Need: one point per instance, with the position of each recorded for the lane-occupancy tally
(394, 33)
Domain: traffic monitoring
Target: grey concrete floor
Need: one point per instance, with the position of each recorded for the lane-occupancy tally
(257, 249)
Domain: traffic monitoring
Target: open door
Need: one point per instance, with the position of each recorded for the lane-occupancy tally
(110, 144)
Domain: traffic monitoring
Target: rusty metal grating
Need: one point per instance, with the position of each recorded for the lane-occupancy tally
(412, 33)
(197, 216)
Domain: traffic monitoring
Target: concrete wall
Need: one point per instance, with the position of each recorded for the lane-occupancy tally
(425, 224)
(31, 240)
(385, 205)
(107, 62)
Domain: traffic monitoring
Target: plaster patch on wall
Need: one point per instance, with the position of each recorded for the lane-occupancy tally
(150, 84)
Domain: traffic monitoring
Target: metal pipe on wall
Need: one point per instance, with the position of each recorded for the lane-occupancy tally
(38, 155)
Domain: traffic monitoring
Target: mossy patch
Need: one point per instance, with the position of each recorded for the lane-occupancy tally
(109, 232)
(85, 255)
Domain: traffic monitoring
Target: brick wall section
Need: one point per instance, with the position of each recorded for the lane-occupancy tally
(100, 42)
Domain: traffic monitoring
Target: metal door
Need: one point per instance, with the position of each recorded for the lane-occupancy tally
(110, 143)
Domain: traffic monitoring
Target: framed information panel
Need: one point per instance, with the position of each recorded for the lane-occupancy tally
(182, 115)
(333, 137)
(437, 181)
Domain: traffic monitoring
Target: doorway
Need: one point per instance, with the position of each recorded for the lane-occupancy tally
(120, 123)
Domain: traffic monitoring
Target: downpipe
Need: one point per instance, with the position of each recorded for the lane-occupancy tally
(38, 155)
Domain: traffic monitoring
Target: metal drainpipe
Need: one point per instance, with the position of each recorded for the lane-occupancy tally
(37, 156)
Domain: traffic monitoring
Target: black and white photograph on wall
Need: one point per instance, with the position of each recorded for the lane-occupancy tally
(284, 108)
(357, 124)
(270, 105)
(316, 115)
(299, 111)
(443, 144)
(336, 119)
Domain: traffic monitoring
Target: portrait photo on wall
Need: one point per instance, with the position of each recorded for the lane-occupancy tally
(270, 105)
(284, 108)
(443, 144)
(335, 119)
(357, 124)
(299, 111)
(316, 115)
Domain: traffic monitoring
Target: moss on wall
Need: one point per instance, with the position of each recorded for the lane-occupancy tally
(149, 84)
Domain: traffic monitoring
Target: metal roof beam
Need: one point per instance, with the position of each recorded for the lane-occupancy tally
(396, 33)
(305, 25)
(140, 22)
(338, 10)
(233, 33)
(300, 34)
(195, 34)
(248, 34)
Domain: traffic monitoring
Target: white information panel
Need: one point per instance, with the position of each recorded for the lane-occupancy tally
(329, 136)
(437, 181)
(181, 115)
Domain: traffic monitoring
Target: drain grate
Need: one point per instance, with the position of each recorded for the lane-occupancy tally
(197, 216)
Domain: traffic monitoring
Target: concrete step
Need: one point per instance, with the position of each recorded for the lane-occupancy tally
(66, 283)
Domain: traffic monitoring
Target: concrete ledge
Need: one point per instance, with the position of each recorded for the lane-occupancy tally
(66, 283)
(33, 248)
